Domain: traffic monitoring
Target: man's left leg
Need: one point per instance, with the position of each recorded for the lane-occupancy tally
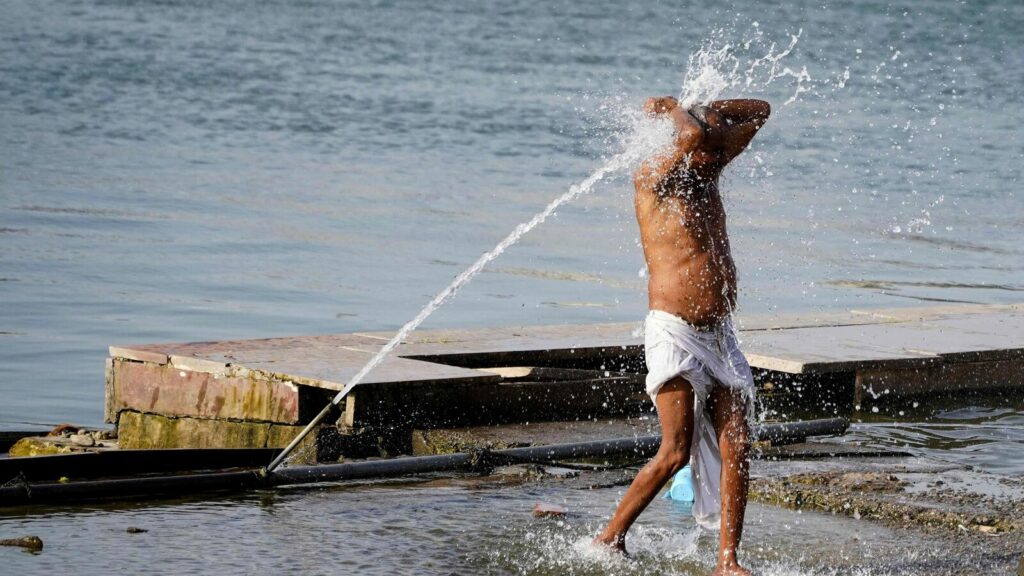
(730, 417)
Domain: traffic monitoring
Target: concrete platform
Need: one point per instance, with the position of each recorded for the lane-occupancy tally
(447, 378)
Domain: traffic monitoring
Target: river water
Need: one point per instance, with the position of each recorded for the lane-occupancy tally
(446, 528)
(177, 170)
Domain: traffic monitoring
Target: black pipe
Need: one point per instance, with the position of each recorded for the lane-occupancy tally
(29, 493)
(792, 432)
(122, 488)
(124, 463)
(641, 446)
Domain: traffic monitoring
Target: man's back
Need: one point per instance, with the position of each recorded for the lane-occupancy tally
(680, 212)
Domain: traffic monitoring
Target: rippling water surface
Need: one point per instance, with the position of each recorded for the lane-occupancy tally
(986, 433)
(177, 170)
(443, 529)
(181, 171)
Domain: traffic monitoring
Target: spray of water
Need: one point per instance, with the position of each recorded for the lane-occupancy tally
(712, 70)
(566, 548)
(647, 138)
(720, 66)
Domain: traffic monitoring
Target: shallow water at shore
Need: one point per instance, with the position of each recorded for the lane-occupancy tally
(986, 432)
(444, 527)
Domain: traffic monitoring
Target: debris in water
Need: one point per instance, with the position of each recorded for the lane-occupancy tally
(545, 510)
(558, 472)
(63, 430)
(30, 543)
(134, 530)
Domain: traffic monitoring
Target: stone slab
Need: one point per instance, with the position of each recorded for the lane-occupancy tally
(978, 338)
(235, 351)
(331, 369)
(944, 377)
(448, 440)
(804, 343)
(139, 353)
(505, 346)
(889, 346)
(809, 342)
(170, 391)
(320, 361)
(878, 343)
(147, 431)
(835, 348)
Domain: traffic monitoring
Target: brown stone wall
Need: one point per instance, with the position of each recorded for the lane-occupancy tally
(171, 390)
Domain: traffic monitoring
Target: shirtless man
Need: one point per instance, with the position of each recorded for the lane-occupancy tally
(699, 380)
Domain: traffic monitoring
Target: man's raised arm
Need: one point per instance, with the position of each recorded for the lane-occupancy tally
(743, 118)
(742, 110)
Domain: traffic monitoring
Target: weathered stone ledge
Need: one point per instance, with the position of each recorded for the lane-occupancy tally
(892, 498)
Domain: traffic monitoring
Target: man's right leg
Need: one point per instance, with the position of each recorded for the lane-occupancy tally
(675, 410)
(729, 409)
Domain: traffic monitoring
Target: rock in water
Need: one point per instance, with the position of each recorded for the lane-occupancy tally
(83, 440)
(545, 510)
(33, 543)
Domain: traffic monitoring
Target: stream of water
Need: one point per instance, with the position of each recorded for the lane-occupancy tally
(712, 70)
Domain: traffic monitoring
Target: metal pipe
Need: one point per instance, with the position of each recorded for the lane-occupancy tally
(465, 461)
(305, 432)
(39, 493)
(640, 446)
(798, 431)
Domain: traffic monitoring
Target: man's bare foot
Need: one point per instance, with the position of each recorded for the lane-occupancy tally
(730, 569)
(612, 543)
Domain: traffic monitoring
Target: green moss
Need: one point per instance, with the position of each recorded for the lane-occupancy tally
(806, 493)
(37, 446)
(148, 431)
(427, 442)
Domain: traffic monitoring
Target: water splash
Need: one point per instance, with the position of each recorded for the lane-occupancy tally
(712, 70)
(646, 138)
(567, 549)
(720, 66)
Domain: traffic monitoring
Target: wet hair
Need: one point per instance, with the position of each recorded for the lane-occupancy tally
(700, 114)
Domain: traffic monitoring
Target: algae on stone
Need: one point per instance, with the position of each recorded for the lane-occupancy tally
(39, 446)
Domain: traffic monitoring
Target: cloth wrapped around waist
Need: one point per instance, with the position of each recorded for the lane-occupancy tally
(705, 357)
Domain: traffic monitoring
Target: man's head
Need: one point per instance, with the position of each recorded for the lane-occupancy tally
(660, 105)
(710, 120)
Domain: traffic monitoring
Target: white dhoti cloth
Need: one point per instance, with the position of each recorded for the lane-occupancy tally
(705, 357)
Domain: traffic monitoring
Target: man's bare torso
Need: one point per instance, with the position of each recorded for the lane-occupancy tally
(680, 212)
